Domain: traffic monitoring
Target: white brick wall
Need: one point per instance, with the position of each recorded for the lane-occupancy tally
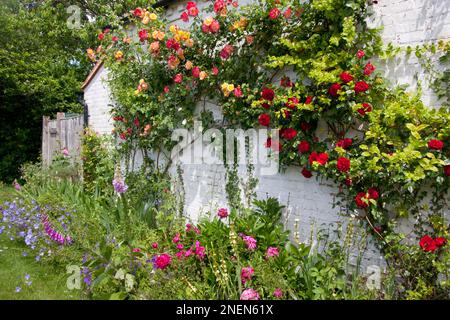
(98, 99)
(406, 22)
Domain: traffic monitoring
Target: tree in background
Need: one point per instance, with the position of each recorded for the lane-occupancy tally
(42, 65)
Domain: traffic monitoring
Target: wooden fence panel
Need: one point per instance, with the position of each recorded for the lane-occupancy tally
(64, 132)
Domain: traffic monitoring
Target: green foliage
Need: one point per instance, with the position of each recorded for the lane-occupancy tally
(41, 70)
(98, 156)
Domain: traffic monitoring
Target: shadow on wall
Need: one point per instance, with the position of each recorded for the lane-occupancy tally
(434, 17)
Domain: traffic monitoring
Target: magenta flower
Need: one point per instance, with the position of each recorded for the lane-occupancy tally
(246, 274)
(180, 246)
(199, 250)
(65, 152)
(176, 239)
(162, 261)
(272, 252)
(53, 234)
(249, 242)
(278, 293)
(222, 213)
(249, 294)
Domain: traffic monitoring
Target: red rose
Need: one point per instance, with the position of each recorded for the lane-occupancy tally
(348, 181)
(305, 126)
(288, 13)
(292, 102)
(440, 241)
(286, 113)
(143, 35)
(268, 94)
(427, 244)
(101, 36)
(274, 13)
(360, 54)
(308, 100)
(193, 11)
(333, 90)
(172, 44)
(184, 16)
(219, 5)
(361, 200)
(196, 72)
(321, 158)
(435, 144)
(447, 170)
(215, 71)
(344, 143)
(365, 109)
(373, 193)
(368, 69)
(343, 164)
(136, 122)
(264, 119)
(306, 173)
(303, 147)
(138, 12)
(361, 86)
(190, 5)
(346, 77)
(286, 82)
(178, 78)
(288, 133)
(266, 105)
(115, 38)
(226, 52)
(215, 26)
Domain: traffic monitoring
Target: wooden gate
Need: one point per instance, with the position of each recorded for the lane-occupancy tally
(63, 133)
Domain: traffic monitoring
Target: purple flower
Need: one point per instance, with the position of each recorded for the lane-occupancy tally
(18, 289)
(119, 186)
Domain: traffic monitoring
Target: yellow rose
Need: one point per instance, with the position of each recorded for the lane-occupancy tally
(173, 28)
(118, 55)
(153, 16)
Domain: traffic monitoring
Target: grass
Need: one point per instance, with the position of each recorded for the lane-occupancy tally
(48, 282)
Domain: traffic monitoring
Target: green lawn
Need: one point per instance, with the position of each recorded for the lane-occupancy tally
(48, 283)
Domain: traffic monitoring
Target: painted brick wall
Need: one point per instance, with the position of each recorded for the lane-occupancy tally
(309, 202)
(98, 98)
